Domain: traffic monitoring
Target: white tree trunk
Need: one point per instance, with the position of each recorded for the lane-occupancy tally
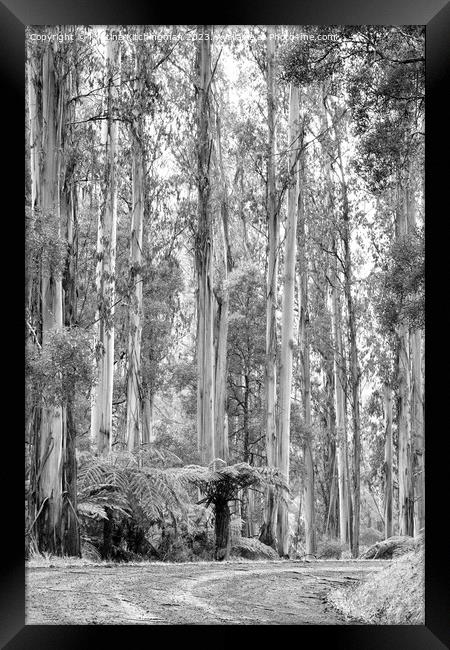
(388, 483)
(287, 326)
(416, 394)
(220, 389)
(137, 222)
(106, 255)
(268, 532)
(204, 257)
(45, 108)
(405, 484)
(339, 388)
(308, 480)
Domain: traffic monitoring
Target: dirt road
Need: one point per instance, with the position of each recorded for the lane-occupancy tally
(285, 592)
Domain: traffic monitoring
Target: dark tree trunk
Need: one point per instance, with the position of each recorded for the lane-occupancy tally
(71, 534)
(106, 550)
(222, 530)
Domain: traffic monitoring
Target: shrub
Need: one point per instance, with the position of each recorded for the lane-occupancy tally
(370, 536)
(393, 596)
(330, 548)
(252, 549)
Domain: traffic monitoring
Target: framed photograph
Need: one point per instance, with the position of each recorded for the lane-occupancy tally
(227, 232)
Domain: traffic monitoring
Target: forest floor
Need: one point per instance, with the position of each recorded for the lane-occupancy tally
(236, 592)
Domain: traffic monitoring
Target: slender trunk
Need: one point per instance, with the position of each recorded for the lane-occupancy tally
(147, 418)
(220, 389)
(69, 204)
(354, 367)
(308, 480)
(245, 512)
(288, 318)
(268, 530)
(204, 256)
(331, 523)
(405, 484)
(339, 387)
(388, 484)
(45, 133)
(338, 369)
(106, 256)
(416, 394)
(417, 424)
(133, 427)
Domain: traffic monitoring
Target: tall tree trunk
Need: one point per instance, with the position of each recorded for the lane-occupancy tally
(137, 222)
(339, 389)
(288, 317)
(71, 533)
(45, 105)
(308, 480)
(268, 530)
(106, 256)
(417, 424)
(204, 257)
(354, 366)
(405, 484)
(220, 389)
(338, 364)
(416, 394)
(388, 483)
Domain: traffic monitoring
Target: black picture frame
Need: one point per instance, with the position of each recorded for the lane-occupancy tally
(435, 14)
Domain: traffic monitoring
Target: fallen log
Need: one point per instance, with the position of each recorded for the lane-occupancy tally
(392, 547)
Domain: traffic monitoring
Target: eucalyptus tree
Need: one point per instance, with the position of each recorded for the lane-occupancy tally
(268, 532)
(387, 99)
(106, 254)
(304, 345)
(204, 252)
(134, 417)
(287, 328)
(46, 102)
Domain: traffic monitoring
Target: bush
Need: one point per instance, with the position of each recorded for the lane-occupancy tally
(330, 548)
(252, 549)
(393, 596)
(370, 536)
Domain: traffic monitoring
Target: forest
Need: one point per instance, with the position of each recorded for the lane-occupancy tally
(224, 300)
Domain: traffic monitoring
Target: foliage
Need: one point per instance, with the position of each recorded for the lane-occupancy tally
(330, 548)
(130, 489)
(221, 482)
(392, 596)
(65, 361)
(402, 298)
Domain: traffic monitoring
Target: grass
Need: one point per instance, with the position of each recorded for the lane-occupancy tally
(47, 560)
(393, 596)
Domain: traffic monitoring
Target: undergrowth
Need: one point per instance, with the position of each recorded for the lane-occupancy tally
(393, 596)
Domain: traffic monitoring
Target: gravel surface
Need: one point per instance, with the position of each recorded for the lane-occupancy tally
(247, 593)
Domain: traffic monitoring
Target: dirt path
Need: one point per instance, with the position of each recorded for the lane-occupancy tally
(285, 592)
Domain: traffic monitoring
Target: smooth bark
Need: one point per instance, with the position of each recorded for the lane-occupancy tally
(287, 325)
(133, 430)
(388, 447)
(221, 320)
(405, 484)
(45, 106)
(308, 465)
(204, 257)
(268, 533)
(106, 257)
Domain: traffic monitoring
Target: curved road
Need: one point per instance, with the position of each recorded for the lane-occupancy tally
(280, 592)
